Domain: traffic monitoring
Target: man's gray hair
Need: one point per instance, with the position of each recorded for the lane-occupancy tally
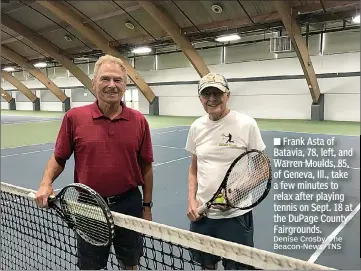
(109, 58)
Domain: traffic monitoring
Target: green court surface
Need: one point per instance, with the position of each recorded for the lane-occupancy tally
(29, 133)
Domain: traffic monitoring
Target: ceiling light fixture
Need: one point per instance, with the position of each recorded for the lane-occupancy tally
(356, 19)
(40, 65)
(216, 8)
(141, 50)
(68, 38)
(9, 69)
(129, 25)
(232, 37)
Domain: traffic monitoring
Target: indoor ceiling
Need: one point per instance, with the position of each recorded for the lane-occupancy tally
(126, 24)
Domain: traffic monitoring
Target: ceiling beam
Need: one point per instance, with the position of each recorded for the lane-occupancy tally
(262, 22)
(317, 6)
(18, 85)
(299, 44)
(6, 95)
(54, 28)
(173, 29)
(49, 48)
(111, 14)
(97, 38)
(267, 18)
(24, 63)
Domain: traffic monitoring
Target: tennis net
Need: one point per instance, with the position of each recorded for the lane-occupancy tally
(36, 238)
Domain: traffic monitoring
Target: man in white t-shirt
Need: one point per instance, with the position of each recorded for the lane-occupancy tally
(214, 141)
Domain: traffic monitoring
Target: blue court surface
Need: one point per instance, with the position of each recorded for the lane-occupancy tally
(24, 166)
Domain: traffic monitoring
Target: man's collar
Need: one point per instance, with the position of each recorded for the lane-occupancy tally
(96, 113)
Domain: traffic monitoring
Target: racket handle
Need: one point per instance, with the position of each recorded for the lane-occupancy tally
(202, 209)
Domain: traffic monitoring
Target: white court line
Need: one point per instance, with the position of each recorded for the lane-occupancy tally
(53, 142)
(155, 165)
(283, 131)
(171, 161)
(30, 152)
(318, 252)
(176, 126)
(23, 153)
(172, 131)
(32, 145)
(169, 147)
(30, 121)
(161, 146)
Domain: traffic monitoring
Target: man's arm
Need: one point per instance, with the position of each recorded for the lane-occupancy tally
(147, 171)
(146, 164)
(53, 169)
(56, 164)
(192, 179)
(192, 191)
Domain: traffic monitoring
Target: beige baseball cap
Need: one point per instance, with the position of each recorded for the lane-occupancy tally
(213, 80)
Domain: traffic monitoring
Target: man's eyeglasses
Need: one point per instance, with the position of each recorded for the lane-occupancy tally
(216, 94)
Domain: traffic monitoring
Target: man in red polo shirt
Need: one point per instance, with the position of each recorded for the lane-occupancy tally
(113, 155)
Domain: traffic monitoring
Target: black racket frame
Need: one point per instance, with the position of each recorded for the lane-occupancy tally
(52, 203)
(225, 179)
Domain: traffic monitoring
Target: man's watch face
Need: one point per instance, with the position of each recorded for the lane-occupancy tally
(148, 204)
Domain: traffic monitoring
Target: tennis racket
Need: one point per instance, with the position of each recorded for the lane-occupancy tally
(246, 184)
(85, 212)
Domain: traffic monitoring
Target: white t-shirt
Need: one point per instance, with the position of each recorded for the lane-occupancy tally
(216, 144)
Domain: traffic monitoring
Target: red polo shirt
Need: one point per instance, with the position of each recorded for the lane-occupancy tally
(106, 152)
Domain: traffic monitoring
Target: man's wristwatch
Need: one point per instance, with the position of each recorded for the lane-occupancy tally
(148, 204)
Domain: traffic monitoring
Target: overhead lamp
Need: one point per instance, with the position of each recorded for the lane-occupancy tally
(9, 69)
(217, 8)
(356, 19)
(40, 65)
(129, 25)
(232, 37)
(68, 38)
(141, 50)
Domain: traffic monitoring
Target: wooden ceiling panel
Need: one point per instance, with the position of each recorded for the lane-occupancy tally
(58, 39)
(23, 50)
(195, 11)
(12, 6)
(31, 18)
(92, 8)
(111, 17)
(115, 27)
(230, 10)
(171, 8)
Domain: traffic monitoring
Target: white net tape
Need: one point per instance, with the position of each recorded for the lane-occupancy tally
(252, 256)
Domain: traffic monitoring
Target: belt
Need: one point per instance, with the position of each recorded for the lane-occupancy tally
(114, 199)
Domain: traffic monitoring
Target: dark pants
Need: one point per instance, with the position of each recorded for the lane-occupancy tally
(127, 244)
(238, 230)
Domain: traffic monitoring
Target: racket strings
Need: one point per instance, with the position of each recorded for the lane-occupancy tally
(87, 217)
(248, 180)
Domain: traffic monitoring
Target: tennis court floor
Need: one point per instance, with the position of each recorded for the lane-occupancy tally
(170, 190)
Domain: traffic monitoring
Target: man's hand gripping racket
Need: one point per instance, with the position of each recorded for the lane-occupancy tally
(85, 212)
(245, 185)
